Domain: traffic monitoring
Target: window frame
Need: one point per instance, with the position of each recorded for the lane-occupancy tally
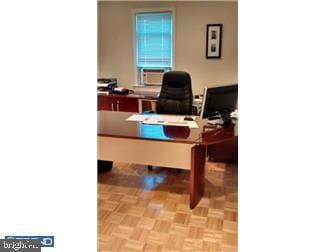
(150, 10)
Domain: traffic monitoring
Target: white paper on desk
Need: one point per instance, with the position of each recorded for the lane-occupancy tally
(192, 125)
(137, 117)
(170, 120)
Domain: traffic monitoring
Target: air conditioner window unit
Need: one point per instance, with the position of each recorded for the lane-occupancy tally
(152, 76)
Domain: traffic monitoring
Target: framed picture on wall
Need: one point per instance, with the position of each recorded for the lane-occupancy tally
(213, 41)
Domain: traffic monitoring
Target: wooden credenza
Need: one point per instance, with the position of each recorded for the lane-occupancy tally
(224, 146)
(225, 151)
(126, 103)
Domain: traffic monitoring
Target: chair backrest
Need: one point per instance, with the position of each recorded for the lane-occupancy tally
(176, 94)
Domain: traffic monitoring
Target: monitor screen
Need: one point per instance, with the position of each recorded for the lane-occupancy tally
(219, 100)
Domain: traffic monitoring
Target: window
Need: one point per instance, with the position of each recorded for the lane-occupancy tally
(153, 41)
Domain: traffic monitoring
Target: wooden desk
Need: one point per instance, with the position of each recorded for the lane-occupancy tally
(158, 145)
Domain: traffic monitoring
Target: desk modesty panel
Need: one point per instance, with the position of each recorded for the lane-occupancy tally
(155, 153)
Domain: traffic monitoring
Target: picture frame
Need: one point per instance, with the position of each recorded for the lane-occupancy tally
(214, 41)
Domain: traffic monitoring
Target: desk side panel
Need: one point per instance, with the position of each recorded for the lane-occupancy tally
(145, 152)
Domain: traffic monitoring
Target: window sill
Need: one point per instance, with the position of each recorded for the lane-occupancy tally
(151, 90)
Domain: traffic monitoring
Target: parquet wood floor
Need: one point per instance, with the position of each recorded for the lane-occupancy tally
(141, 210)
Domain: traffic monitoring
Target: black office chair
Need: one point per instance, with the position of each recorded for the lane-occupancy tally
(176, 95)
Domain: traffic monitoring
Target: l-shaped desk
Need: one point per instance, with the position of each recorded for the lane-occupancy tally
(159, 145)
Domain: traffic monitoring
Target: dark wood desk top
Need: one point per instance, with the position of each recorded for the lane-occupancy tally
(114, 124)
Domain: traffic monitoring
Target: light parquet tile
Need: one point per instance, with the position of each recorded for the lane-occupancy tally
(152, 248)
(129, 199)
(146, 223)
(174, 243)
(122, 232)
(183, 208)
(135, 245)
(170, 205)
(212, 246)
(195, 233)
(109, 205)
(141, 210)
(230, 226)
(192, 244)
(142, 202)
(216, 213)
(178, 230)
(157, 238)
(181, 218)
(162, 226)
(200, 211)
(115, 197)
(136, 210)
(166, 215)
(139, 234)
(229, 239)
(198, 221)
(151, 212)
(214, 223)
(117, 243)
(130, 220)
(212, 235)
(114, 218)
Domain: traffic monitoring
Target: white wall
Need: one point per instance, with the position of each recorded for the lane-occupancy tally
(115, 41)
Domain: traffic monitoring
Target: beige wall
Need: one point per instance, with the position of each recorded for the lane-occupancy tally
(116, 50)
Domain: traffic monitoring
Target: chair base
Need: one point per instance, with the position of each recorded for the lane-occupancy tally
(104, 166)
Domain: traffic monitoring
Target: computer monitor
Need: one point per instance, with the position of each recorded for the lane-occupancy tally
(219, 101)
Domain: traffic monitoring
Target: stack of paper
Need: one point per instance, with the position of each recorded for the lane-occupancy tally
(163, 120)
(137, 117)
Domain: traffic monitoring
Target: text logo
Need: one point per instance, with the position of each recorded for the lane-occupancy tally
(46, 241)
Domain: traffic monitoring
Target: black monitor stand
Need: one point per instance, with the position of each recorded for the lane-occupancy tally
(226, 118)
(223, 119)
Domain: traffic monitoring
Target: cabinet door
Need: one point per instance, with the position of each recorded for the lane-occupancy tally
(226, 151)
(104, 102)
(118, 103)
(127, 104)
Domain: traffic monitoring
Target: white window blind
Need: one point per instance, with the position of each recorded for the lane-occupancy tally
(154, 40)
